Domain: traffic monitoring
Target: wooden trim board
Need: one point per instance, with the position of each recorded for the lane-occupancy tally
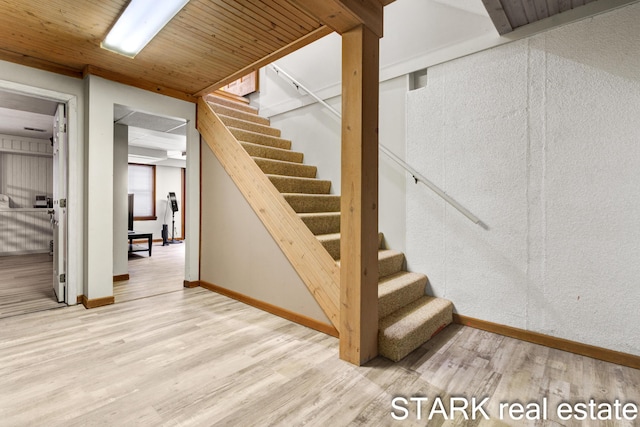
(270, 308)
(599, 353)
(192, 284)
(121, 277)
(98, 302)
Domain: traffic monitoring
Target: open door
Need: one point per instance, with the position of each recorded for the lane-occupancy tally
(59, 211)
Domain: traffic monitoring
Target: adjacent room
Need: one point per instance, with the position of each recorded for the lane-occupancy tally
(26, 208)
(149, 189)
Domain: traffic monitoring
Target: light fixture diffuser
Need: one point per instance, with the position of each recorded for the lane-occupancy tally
(139, 23)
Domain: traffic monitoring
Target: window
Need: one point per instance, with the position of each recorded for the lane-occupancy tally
(142, 183)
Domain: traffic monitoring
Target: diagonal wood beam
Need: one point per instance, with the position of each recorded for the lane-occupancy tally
(344, 15)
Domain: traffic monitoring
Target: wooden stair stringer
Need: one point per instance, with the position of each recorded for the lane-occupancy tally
(312, 262)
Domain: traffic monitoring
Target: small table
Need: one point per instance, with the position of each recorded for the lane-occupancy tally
(136, 235)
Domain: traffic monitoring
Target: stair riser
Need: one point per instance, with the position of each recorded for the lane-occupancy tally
(333, 246)
(388, 302)
(213, 99)
(260, 139)
(323, 225)
(306, 203)
(285, 169)
(395, 347)
(231, 112)
(250, 126)
(292, 185)
(389, 266)
(272, 153)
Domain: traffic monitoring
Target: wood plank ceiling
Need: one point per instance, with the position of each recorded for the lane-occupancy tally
(507, 15)
(207, 45)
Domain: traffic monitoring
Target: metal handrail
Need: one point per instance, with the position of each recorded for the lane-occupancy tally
(417, 177)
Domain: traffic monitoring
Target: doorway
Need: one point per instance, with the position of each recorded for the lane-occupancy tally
(33, 181)
(154, 164)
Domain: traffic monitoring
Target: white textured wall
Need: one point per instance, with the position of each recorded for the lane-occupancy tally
(539, 138)
(237, 251)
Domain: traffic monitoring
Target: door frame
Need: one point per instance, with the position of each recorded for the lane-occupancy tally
(74, 213)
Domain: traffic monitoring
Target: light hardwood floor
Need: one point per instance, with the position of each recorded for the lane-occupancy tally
(195, 358)
(26, 284)
(157, 274)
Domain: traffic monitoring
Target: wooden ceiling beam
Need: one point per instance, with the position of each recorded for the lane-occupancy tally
(344, 15)
(141, 84)
(41, 64)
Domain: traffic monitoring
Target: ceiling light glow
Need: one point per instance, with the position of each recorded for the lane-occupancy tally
(139, 23)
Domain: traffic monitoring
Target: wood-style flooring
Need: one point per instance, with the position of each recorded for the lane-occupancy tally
(157, 274)
(196, 358)
(26, 280)
(26, 284)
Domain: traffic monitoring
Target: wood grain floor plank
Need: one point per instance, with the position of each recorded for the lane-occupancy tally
(191, 357)
(26, 284)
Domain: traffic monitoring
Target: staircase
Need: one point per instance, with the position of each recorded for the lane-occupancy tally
(407, 317)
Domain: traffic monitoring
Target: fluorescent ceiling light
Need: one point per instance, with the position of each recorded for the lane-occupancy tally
(139, 23)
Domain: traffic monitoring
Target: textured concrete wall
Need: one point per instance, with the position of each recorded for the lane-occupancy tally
(540, 139)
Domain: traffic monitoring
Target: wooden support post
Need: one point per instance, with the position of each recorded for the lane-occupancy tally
(359, 209)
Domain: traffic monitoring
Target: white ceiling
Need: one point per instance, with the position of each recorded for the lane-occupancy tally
(26, 116)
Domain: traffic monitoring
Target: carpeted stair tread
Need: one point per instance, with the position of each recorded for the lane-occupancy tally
(259, 138)
(251, 126)
(289, 184)
(408, 328)
(331, 243)
(303, 203)
(232, 112)
(266, 152)
(279, 167)
(322, 223)
(214, 99)
(398, 290)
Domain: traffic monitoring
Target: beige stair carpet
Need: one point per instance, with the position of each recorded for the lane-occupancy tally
(408, 317)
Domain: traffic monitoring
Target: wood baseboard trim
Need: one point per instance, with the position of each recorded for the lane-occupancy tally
(79, 299)
(121, 277)
(270, 308)
(192, 284)
(599, 353)
(98, 302)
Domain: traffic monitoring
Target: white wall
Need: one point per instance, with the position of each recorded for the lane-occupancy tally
(24, 175)
(120, 199)
(26, 170)
(167, 179)
(539, 138)
(239, 254)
